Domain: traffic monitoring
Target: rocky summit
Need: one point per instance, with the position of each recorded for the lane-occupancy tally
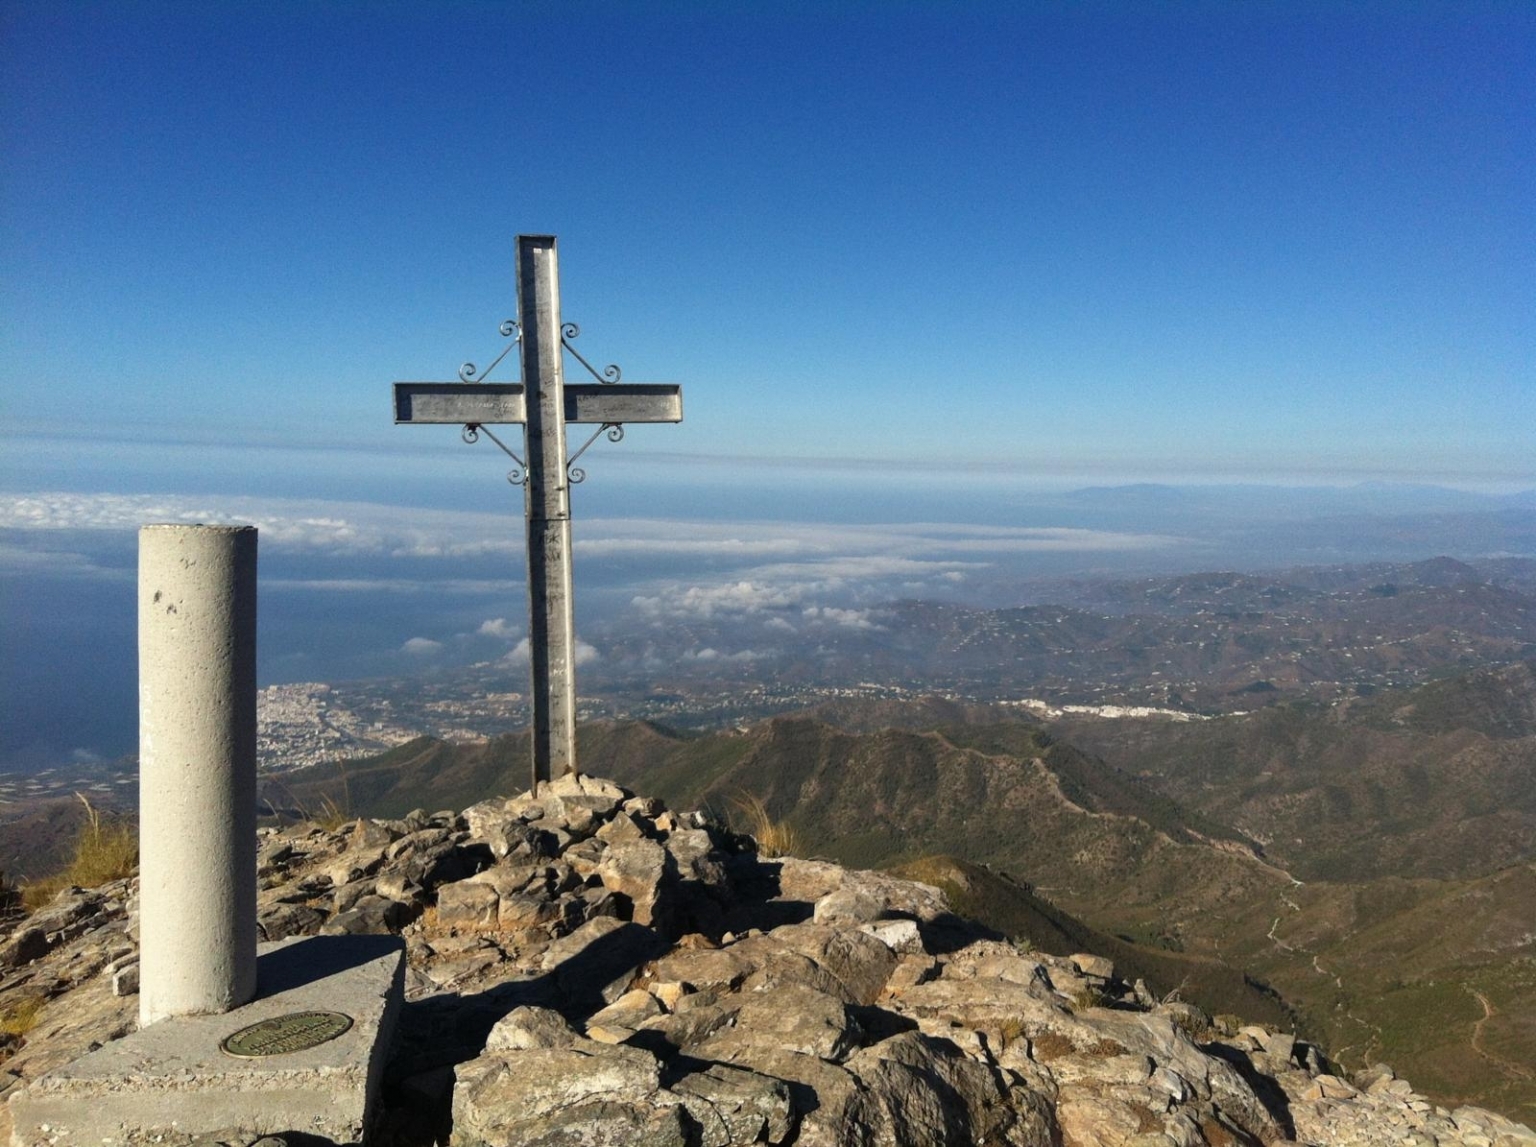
(587, 967)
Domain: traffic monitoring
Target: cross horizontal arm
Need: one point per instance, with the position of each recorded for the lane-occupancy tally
(490, 404)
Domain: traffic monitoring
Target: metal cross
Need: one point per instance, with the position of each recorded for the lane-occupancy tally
(544, 405)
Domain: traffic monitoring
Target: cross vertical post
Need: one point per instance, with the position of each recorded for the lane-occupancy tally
(543, 404)
(551, 613)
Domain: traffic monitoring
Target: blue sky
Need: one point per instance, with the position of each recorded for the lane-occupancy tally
(922, 270)
(1077, 242)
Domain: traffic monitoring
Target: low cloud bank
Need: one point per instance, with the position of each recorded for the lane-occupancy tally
(354, 528)
(779, 579)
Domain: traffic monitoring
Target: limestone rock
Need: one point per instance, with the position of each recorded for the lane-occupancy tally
(530, 1027)
(860, 963)
(689, 1026)
(984, 1004)
(705, 969)
(619, 1020)
(125, 976)
(371, 916)
(735, 1105)
(25, 945)
(848, 906)
(597, 1092)
(900, 936)
(622, 829)
(922, 1091)
(830, 1102)
(1096, 967)
(600, 959)
(469, 905)
(635, 869)
(696, 854)
(793, 1018)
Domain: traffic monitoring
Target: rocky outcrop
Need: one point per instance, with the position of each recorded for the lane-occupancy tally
(588, 967)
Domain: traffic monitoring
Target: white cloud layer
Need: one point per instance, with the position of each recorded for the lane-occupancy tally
(55, 563)
(847, 618)
(348, 528)
(800, 575)
(585, 654)
(359, 585)
(731, 599)
(335, 528)
(708, 654)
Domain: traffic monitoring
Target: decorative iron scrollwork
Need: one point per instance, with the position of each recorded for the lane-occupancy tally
(615, 433)
(508, 328)
(611, 373)
(518, 475)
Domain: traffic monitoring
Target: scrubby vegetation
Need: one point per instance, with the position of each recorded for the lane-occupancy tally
(774, 837)
(19, 1015)
(106, 849)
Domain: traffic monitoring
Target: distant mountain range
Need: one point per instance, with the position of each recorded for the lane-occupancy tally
(1362, 497)
(1435, 782)
(1207, 642)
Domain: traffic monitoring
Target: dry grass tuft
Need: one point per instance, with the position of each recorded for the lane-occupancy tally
(37, 893)
(774, 837)
(1050, 1045)
(1195, 1028)
(331, 815)
(107, 849)
(1107, 1048)
(19, 1016)
(1090, 997)
(1009, 1031)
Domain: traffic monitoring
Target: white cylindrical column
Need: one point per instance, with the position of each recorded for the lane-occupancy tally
(197, 769)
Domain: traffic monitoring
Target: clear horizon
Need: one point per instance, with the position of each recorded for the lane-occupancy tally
(1193, 241)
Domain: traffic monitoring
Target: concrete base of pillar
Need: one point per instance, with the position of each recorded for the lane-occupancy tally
(173, 1079)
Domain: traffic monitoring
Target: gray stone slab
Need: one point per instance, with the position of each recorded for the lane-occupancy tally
(172, 1077)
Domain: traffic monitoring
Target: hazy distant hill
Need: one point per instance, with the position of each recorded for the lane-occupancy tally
(1217, 632)
(1209, 642)
(1438, 781)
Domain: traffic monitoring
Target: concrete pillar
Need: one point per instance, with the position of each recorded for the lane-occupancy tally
(197, 769)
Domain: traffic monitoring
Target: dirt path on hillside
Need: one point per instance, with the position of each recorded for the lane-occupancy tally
(1498, 1061)
(1372, 1032)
